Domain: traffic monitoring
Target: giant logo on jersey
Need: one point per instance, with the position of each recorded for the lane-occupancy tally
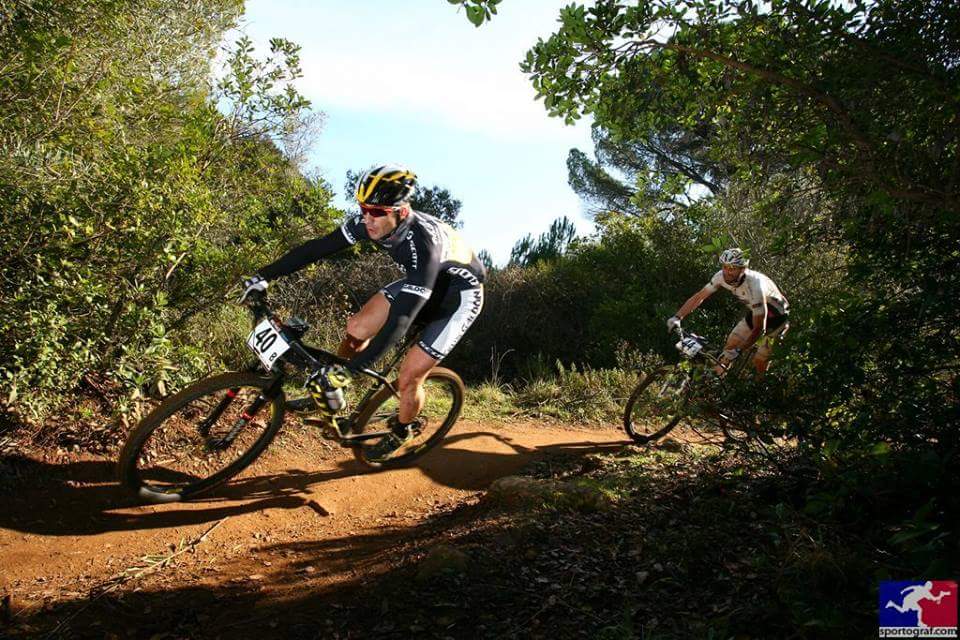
(465, 274)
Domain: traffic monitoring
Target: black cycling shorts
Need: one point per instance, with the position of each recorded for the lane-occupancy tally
(448, 313)
(775, 319)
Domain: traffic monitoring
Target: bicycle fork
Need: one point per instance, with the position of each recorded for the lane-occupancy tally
(246, 416)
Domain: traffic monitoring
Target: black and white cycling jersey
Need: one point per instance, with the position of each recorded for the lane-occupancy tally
(426, 249)
(432, 255)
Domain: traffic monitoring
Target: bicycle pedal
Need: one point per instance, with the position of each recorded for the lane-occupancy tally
(416, 427)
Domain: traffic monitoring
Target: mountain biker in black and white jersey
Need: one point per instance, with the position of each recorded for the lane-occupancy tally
(442, 287)
(766, 320)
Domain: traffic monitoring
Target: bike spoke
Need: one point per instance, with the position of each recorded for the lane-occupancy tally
(442, 398)
(202, 438)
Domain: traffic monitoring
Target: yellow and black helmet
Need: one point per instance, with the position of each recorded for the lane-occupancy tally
(386, 185)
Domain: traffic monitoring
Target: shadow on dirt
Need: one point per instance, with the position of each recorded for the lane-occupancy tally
(292, 597)
(82, 498)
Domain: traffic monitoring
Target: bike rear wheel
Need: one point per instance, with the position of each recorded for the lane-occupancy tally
(444, 393)
(201, 437)
(657, 404)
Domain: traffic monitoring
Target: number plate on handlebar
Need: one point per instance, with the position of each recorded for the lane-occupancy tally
(267, 343)
(690, 347)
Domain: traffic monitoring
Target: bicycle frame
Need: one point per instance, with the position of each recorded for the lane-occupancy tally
(712, 357)
(305, 357)
(702, 363)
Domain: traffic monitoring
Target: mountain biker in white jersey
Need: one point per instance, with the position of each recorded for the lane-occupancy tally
(765, 322)
(442, 289)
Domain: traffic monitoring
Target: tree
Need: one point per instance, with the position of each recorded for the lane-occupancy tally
(128, 200)
(776, 81)
(850, 102)
(438, 202)
(664, 172)
(549, 246)
(485, 259)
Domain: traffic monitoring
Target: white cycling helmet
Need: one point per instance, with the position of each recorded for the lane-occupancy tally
(734, 257)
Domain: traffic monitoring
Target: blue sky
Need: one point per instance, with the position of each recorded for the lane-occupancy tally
(414, 82)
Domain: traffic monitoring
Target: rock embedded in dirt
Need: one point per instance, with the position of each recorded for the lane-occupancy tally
(442, 559)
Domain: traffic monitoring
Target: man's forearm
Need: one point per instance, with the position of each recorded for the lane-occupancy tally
(307, 253)
(690, 305)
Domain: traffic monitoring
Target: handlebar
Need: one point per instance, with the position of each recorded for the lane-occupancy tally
(704, 352)
(678, 329)
(256, 301)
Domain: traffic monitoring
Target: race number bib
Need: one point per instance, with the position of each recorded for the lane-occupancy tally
(690, 347)
(267, 343)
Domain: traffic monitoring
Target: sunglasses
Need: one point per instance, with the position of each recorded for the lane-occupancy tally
(375, 211)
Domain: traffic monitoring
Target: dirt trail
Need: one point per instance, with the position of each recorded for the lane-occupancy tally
(308, 517)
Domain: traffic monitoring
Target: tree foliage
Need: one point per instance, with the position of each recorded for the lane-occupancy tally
(477, 11)
(128, 200)
(834, 129)
(781, 84)
(849, 102)
(549, 246)
(485, 259)
(665, 172)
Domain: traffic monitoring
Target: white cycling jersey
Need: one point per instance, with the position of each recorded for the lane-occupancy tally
(754, 288)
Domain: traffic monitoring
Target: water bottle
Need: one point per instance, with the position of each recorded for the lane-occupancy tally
(334, 398)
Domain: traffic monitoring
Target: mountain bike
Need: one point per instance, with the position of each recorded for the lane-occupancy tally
(215, 428)
(689, 389)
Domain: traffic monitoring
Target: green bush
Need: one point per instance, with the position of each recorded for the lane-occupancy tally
(128, 202)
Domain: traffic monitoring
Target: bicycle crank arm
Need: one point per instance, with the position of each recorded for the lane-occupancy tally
(357, 439)
(327, 429)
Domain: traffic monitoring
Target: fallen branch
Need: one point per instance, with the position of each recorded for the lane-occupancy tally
(154, 563)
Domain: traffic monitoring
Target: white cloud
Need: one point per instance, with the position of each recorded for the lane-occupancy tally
(414, 82)
(421, 59)
(477, 100)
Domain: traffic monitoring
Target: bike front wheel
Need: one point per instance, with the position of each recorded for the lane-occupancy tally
(201, 437)
(657, 404)
(443, 400)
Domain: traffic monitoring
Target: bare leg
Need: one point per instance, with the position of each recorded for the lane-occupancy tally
(413, 372)
(736, 338)
(761, 361)
(363, 325)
